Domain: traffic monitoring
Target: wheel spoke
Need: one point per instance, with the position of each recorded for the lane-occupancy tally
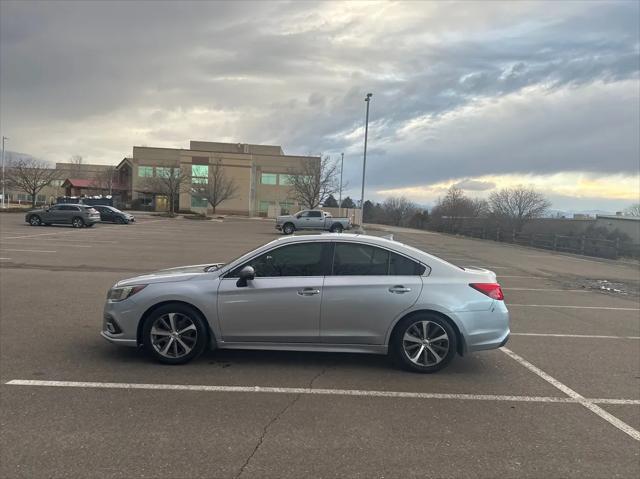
(172, 317)
(416, 358)
(186, 348)
(159, 332)
(441, 337)
(175, 348)
(191, 327)
(424, 329)
(436, 355)
(411, 338)
(167, 346)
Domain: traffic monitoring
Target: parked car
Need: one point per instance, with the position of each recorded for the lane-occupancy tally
(329, 292)
(114, 215)
(312, 220)
(75, 215)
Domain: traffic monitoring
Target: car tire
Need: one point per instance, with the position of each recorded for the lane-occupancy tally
(34, 220)
(288, 228)
(336, 228)
(77, 222)
(409, 349)
(172, 318)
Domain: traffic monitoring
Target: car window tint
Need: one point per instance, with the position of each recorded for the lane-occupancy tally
(315, 214)
(358, 259)
(304, 214)
(401, 266)
(305, 259)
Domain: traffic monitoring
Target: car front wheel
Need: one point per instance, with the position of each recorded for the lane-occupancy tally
(174, 334)
(34, 220)
(288, 229)
(423, 343)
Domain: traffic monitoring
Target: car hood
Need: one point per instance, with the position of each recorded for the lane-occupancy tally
(181, 273)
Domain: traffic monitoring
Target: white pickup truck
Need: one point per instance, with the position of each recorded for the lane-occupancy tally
(312, 220)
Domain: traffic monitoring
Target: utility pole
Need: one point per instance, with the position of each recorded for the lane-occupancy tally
(4, 201)
(364, 161)
(340, 200)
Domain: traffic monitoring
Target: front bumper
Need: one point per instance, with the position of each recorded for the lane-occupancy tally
(120, 322)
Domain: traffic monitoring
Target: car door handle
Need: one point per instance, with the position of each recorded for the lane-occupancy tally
(399, 289)
(308, 292)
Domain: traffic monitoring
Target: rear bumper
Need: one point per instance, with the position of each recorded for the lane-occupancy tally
(484, 330)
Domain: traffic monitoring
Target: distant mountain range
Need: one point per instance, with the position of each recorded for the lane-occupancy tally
(570, 213)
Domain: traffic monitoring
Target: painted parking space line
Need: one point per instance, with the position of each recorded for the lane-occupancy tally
(314, 391)
(6, 259)
(589, 404)
(588, 336)
(608, 308)
(33, 236)
(30, 250)
(54, 243)
(524, 277)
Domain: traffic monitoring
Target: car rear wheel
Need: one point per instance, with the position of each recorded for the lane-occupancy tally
(336, 228)
(77, 222)
(174, 334)
(34, 220)
(288, 228)
(423, 343)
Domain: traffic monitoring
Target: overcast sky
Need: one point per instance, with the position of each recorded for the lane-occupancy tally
(479, 94)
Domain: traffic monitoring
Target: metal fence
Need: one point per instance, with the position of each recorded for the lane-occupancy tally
(577, 244)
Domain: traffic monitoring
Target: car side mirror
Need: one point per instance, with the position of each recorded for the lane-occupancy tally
(246, 274)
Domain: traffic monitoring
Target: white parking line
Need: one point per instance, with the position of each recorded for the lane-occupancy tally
(553, 290)
(30, 250)
(589, 404)
(7, 259)
(594, 336)
(571, 307)
(525, 277)
(43, 234)
(321, 392)
(50, 243)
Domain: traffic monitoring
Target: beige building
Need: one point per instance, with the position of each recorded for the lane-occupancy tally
(261, 174)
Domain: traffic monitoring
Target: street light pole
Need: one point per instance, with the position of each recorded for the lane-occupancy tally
(340, 200)
(364, 161)
(4, 201)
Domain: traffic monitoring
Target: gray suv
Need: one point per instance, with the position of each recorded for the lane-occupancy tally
(70, 214)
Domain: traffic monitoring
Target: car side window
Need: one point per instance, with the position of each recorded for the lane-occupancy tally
(315, 214)
(359, 259)
(304, 259)
(401, 266)
(304, 214)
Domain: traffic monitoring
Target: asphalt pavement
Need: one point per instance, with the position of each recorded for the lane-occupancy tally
(562, 399)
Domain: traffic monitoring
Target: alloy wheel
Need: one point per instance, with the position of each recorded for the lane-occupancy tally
(173, 335)
(425, 343)
(34, 221)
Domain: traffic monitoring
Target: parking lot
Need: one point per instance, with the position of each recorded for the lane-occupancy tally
(562, 399)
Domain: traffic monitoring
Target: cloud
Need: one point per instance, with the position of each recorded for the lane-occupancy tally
(474, 185)
(460, 89)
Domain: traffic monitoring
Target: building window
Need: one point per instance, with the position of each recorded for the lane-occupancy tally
(145, 171)
(200, 174)
(285, 180)
(264, 206)
(286, 207)
(197, 202)
(165, 172)
(269, 179)
(57, 183)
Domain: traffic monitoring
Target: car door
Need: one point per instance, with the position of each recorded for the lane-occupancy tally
(53, 215)
(368, 288)
(282, 303)
(315, 220)
(68, 212)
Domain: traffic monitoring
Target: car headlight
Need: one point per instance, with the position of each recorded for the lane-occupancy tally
(120, 294)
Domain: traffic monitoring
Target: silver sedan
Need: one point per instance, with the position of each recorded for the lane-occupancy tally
(327, 292)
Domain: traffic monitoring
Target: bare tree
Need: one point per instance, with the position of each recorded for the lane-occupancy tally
(314, 182)
(76, 162)
(451, 211)
(169, 182)
(31, 176)
(633, 210)
(398, 210)
(218, 189)
(105, 179)
(518, 205)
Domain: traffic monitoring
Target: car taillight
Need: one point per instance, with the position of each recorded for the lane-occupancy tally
(493, 290)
